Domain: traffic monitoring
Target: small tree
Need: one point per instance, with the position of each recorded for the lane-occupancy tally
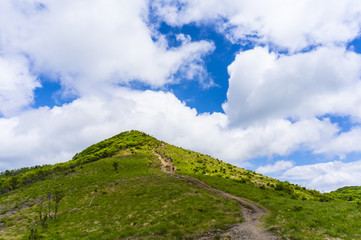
(14, 182)
(115, 165)
(58, 195)
(49, 197)
(42, 217)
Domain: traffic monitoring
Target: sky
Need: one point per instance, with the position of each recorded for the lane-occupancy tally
(271, 86)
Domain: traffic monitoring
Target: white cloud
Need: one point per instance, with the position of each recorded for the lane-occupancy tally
(344, 143)
(16, 85)
(326, 176)
(48, 135)
(280, 137)
(91, 44)
(277, 167)
(265, 86)
(53, 135)
(293, 25)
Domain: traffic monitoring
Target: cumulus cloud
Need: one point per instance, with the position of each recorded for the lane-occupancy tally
(277, 167)
(265, 86)
(49, 135)
(89, 45)
(55, 134)
(326, 176)
(344, 143)
(286, 24)
(16, 84)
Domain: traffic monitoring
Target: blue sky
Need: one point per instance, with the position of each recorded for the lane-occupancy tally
(203, 98)
(269, 88)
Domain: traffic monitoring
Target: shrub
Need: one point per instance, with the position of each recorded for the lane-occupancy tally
(297, 208)
(115, 165)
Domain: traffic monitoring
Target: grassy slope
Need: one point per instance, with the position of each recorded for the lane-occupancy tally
(138, 200)
(297, 213)
(348, 193)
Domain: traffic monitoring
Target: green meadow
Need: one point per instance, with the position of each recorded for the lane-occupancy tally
(296, 212)
(136, 200)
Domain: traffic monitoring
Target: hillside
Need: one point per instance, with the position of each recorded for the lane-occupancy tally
(348, 193)
(115, 189)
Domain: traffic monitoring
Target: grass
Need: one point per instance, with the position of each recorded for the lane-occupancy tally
(115, 190)
(137, 200)
(297, 213)
(295, 218)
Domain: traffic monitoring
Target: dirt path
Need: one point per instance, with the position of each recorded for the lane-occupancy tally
(249, 230)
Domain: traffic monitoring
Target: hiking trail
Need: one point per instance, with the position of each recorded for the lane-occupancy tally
(249, 230)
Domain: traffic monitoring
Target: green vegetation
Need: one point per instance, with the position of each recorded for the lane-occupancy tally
(115, 189)
(348, 194)
(95, 201)
(10, 180)
(193, 163)
(296, 212)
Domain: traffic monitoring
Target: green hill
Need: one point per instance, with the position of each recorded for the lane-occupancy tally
(348, 193)
(115, 189)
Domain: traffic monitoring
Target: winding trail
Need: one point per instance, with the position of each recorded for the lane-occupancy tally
(249, 230)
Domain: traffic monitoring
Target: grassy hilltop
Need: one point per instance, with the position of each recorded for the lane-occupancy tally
(348, 193)
(115, 190)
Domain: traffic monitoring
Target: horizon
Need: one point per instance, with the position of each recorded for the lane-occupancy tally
(272, 87)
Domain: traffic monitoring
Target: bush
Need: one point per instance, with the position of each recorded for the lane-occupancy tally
(285, 187)
(297, 208)
(115, 165)
(240, 180)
